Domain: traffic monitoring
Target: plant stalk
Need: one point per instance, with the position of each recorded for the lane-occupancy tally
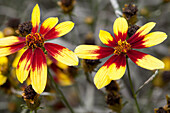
(131, 86)
(58, 91)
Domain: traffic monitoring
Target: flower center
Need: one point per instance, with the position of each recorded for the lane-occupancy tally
(122, 47)
(34, 40)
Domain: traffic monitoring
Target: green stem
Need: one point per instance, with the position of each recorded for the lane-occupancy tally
(131, 86)
(58, 91)
(35, 111)
(70, 16)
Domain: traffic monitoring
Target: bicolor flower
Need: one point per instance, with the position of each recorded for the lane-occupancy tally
(33, 60)
(114, 68)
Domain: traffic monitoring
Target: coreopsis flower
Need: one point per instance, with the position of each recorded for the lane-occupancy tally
(33, 60)
(119, 48)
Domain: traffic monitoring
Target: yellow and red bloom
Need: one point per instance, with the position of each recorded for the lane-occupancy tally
(115, 67)
(33, 60)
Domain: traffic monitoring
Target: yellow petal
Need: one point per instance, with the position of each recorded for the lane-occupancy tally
(150, 40)
(60, 30)
(4, 64)
(24, 64)
(2, 79)
(107, 38)
(63, 78)
(4, 61)
(4, 51)
(144, 60)
(118, 67)
(64, 28)
(101, 78)
(61, 54)
(120, 28)
(142, 31)
(18, 56)
(61, 65)
(154, 38)
(11, 40)
(93, 51)
(48, 24)
(35, 18)
(38, 71)
(113, 69)
(1, 34)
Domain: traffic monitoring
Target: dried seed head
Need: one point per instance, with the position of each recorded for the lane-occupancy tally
(113, 86)
(29, 93)
(160, 110)
(164, 109)
(114, 101)
(25, 28)
(132, 30)
(66, 5)
(130, 10)
(113, 98)
(90, 65)
(31, 98)
(130, 13)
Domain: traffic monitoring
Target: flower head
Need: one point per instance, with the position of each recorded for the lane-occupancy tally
(114, 68)
(33, 60)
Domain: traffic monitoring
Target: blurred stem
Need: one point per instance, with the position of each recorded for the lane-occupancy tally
(70, 16)
(131, 86)
(58, 91)
(35, 111)
(88, 77)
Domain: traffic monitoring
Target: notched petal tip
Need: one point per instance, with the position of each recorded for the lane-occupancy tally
(145, 60)
(160, 66)
(152, 23)
(107, 39)
(47, 25)
(120, 28)
(37, 90)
